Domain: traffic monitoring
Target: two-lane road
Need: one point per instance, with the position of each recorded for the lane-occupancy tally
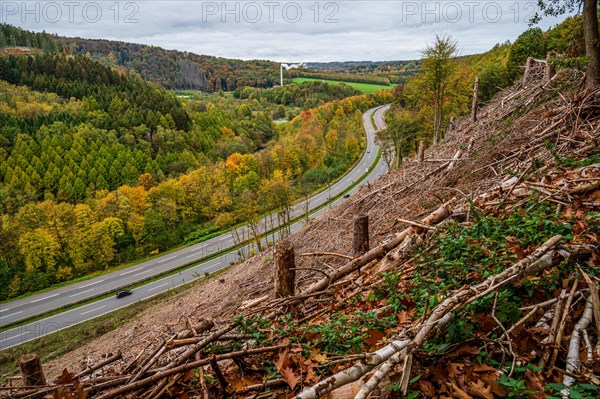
(60, 297)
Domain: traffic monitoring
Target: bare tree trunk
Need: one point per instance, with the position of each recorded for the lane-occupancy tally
(592, 41)
(550, 70)
(474, 105)
(31, 370)
(285, 274)
(421, 152)
(360, 241)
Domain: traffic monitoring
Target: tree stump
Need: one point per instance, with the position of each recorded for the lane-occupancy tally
(550, 71)
(528, 68)
(474, 105)
(360, 239)
(31, 370)
(285, 273)
(421, 152)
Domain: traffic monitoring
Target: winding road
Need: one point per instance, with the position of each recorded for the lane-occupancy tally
(39, 304)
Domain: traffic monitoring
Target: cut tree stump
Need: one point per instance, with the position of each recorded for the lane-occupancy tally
(285, 273)
(360, 239)
(550, 70)
(474, 105)
(421, 152)
(31, 370)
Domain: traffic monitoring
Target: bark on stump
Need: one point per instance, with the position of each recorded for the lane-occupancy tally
(550, 70)
(421, 152)
(528, 68)
(285, 273)
(360, 239)
(31, 370)
(474, 105)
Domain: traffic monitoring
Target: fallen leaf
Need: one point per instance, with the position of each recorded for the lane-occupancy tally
(427, 388)
(289, 377)
(479, 390)
(65, 378)
(459, 393)
(533, 383)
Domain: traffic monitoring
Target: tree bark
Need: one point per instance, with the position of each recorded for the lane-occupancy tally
(592, 42)
(360, 239)
(285, 275)
(550, 70)
(474, 105)
(528, 66)
(31, 370)
(421, 152)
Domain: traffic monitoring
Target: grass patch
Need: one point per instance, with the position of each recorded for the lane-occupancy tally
(364, 87)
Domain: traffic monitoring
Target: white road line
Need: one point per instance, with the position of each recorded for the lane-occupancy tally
(131, 271)
(82, 292)
(191, 256)
(157, 287)
(90, 284)
(43, 299)
(140, 273)
(4, 310)
(93, 310)
(164, 260)
(12, 314)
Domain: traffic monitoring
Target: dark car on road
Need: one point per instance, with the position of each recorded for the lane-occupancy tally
(124, 293)
(346, 195)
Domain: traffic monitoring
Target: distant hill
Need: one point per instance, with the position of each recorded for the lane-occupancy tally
(170, 68)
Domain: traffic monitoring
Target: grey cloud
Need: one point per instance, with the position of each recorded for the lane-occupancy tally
(375, 30)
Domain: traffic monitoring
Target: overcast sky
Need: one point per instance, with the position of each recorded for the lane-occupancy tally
(290, 31)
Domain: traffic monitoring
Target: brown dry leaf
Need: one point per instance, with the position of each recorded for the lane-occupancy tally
(514, 247)
(317, 356)
(79, 391)
(427, 388)
(288, 376)
(459, 393)
(465, 350)
(65, 378)
(480, 390)
(282, 359)
(534, 383)
(403, 317)
(374, 337)
(346, 391)
(482, 368)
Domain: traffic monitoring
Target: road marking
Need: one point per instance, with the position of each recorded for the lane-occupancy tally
(164, 260)
(190, 256)
(157, 287)
(43, 299)
(131, 271)
(93, 310)
(90, 284)
(82, 292)
(4, 310)
(12, 314)
(140, 273)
